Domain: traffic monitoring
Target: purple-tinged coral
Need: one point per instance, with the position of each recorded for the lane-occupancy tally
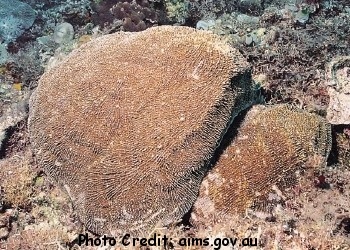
(134, 15)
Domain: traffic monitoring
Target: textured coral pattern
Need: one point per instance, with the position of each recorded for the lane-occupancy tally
(128, 121)
(271, 145)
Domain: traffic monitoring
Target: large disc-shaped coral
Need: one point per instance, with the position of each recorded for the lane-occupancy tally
(272, 143)
(128, 121)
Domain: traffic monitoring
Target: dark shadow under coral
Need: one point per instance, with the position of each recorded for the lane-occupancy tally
(225, 143)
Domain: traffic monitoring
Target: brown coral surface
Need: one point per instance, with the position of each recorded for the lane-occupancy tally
(271, 145)
(127, 122)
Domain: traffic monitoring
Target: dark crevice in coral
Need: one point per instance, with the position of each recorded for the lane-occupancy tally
(5, 142)
(185, 221)
(228, 137)
(226, 141)
(191, 22)
(333, 155)
(340, 153)
(16, 139)
(343, 227)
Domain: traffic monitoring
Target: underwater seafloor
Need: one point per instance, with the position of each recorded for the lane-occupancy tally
(299, 51)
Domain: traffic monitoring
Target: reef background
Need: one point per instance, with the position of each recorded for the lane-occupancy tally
(294, 47)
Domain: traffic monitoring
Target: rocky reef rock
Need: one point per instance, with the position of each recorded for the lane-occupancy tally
(338, 81)
(127, 123)
(271, 145)
(15, 18)
(13, 105)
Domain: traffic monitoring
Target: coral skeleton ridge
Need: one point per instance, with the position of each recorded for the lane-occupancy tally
(271, 144)
(127, 122)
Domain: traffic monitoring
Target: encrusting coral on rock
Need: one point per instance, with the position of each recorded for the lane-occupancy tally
(127, 123)
(271, 145)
